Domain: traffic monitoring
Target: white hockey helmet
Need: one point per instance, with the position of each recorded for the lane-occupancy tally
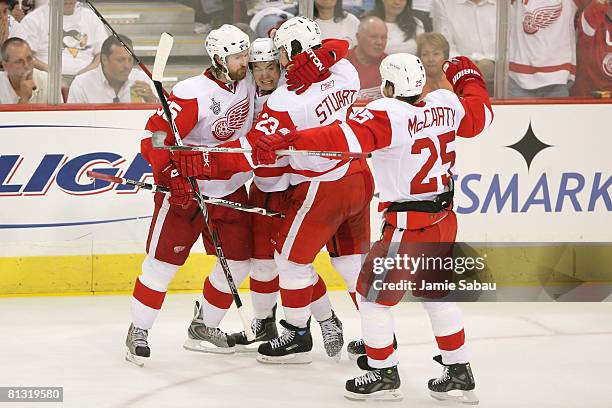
(405, 71)
(300, 29)
(263, 50)
(226, 40)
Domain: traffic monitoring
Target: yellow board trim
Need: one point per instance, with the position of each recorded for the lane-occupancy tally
(112, 274)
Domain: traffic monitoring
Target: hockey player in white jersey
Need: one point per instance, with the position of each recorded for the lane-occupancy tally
(264, 286)
(308, 226)
(413, 145)
(263, 63)
(208, 109)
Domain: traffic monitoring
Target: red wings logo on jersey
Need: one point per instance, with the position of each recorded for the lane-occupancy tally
(234, 119)
(607, 64)
(541, 18)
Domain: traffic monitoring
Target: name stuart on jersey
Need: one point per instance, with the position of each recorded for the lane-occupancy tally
(334, 102)
(435, 116)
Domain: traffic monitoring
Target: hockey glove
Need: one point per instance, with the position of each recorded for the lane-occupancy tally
(181, 191)
(191, 164)
(265, 146)
(307, 68)
(461, 70)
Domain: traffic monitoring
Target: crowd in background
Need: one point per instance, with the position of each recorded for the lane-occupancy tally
(556, 48)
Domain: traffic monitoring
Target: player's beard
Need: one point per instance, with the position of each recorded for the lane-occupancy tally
(238, 75)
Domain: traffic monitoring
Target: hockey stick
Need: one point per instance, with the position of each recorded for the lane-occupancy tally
(158, 143)
(156, 188)
(161, 57)
(116, 35)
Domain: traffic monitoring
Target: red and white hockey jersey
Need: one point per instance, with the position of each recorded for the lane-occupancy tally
(542, 44)
(413, 145)
(208, 112)
(594, 65)
(323, 103)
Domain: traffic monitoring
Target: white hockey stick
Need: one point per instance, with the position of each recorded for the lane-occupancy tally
(161, 58)
(159, 137)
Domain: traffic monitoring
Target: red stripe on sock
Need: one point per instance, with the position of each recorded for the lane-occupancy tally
(263, 286)
(319, 289)
(215, 297)
(354, 297)
(148, 296)
(452, 341)
(379, 353)
(296, 297)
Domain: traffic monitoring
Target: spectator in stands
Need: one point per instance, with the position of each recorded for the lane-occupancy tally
(267, 19)
(115, 80)
(83, 37)
(433, 50)
(20, 82)
(367, 55)
(19, 8)
(594, 62)
(542, 48)
(9, 27)
(470, 26)
(402, 25)
(335, 22)
(422, 11)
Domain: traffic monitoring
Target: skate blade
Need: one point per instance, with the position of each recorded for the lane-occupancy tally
(336, 357)
(247, 348)
(197, 345)
(385, 395)
(463, 397)
(134, 359)
(297, 358)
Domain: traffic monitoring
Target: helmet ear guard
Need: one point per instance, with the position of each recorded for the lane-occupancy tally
(406, 72)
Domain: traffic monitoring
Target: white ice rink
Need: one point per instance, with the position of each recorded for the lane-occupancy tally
(523, 355)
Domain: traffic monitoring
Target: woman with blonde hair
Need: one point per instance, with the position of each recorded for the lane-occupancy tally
(433, 50)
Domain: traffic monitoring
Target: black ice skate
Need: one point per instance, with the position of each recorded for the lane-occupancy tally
(356, 348)
(455, 384)
(375, 385)
(137, 345)
(264, 330)
(333, 339)
(293, 347)
(207, 339)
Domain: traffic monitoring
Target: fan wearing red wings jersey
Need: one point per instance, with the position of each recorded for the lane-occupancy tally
(412, 140)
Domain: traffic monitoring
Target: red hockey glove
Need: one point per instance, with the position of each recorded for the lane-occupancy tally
(307, 68)
(263, 151)
(191, 164)
(459, 71)
(181, 192)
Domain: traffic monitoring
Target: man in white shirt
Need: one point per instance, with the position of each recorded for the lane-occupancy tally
(470, 28)
(115, 80)
(20, 82)
(82, 38)
(9, 27)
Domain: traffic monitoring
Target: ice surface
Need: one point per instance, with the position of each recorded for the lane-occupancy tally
(523, 355)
